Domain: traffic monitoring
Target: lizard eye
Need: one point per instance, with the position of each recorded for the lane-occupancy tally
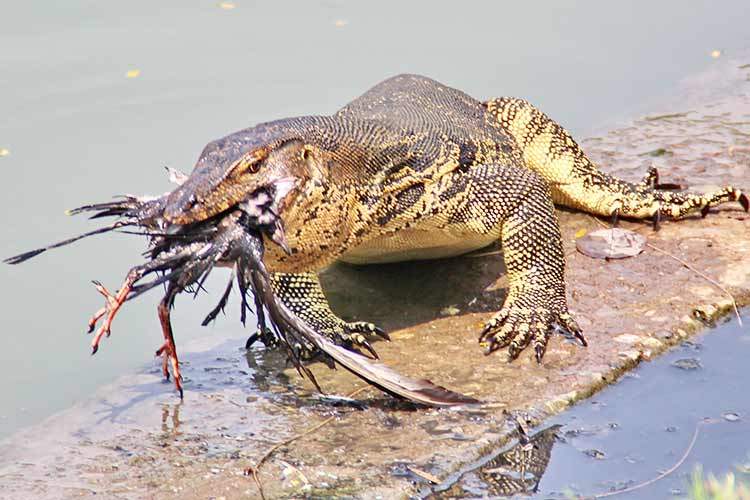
(250, 163)
(253, 167)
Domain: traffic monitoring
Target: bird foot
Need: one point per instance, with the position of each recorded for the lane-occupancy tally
(170, 365)
(112, 304)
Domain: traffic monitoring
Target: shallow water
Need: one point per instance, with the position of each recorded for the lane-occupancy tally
(640, 427)
(77, 129)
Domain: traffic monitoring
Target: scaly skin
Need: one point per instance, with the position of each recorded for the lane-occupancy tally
(414, 170)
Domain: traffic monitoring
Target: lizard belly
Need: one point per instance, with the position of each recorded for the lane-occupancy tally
(416, 244)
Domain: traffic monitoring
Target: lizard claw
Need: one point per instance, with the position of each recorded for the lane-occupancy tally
(539, 352)
(367, 329)
(357, 340)
(744, 201)
(519, 324)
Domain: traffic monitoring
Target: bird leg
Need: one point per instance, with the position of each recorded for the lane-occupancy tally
(168, 351)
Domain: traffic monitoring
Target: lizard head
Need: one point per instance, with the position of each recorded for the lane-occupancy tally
(261, 174)
(277, 170)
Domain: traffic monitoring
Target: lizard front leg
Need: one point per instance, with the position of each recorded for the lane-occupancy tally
(536, 304)
(548, 149)
(303, 295)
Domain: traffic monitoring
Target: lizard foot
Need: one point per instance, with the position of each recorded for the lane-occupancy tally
(518, 324)
(354, 335)
(351, 335)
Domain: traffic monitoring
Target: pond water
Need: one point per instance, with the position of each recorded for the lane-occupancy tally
(639, 428)
(96, 98)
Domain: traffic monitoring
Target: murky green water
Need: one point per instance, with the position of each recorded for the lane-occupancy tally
(632, 432)
(76, 129)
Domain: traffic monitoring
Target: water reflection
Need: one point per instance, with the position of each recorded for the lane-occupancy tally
(515, 471)
(170, 418)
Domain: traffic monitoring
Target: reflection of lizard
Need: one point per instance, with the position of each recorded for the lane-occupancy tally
(516, 471)
(410, 170)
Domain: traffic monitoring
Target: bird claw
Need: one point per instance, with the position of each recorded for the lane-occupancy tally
(170, 361)
(112, 304)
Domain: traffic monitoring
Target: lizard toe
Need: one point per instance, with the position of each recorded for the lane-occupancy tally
(367, 329)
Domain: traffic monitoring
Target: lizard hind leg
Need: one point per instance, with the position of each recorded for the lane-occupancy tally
(576, 182)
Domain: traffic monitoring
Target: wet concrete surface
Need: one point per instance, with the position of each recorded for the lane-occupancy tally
(135, 438)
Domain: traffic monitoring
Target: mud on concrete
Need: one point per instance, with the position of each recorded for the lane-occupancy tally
(135, 439)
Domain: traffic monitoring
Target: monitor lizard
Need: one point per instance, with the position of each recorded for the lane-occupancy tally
(412, 169)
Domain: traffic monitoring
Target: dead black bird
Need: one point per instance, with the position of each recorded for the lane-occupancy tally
(194, 229)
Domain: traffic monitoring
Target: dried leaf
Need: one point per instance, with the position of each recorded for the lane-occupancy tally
(133, 73)
(612, 243)
(580, 233)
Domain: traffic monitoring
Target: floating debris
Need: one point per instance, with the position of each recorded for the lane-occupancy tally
(227, 5)
(594, 453)
(688, 364)
(731, 417)
(4, 152)
(716, 54)
(133, 73)
(666, 116)
(340, 23)
(658, 152)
